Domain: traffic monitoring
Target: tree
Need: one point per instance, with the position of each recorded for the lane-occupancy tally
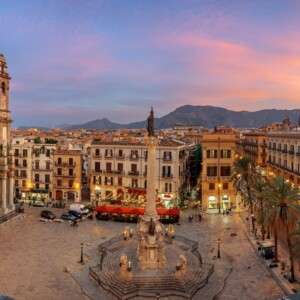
(243, 177)
(284, 212)
(259, 191)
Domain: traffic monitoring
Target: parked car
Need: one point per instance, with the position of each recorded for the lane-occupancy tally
(80, 208)
(68, 217)
(38, 203)
(75, 213)
(47, 214)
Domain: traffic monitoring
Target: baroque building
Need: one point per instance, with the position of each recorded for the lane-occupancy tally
(118, 171)
(6, 166)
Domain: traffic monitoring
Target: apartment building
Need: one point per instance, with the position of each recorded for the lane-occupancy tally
(67, 175)
(22, 152)
(284, 154)
(118, 171)
(219, 151)
(254, 145)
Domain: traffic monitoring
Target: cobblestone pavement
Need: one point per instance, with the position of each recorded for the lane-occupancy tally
(34, 255)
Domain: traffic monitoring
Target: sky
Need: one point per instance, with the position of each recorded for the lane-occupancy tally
(72, 61)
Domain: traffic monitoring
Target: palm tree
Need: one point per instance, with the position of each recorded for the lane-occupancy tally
(259, 192)
(243, 179)
(284, 211)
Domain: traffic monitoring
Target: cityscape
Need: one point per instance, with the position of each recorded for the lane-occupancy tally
(149, 150)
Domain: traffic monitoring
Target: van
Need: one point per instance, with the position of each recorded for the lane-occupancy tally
(80, 208)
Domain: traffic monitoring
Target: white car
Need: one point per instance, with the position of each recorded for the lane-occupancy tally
(80, 208)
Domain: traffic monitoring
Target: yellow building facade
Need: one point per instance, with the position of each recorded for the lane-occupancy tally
(218, 156)
(67, 175)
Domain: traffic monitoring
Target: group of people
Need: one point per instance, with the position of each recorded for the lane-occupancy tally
(191, 217)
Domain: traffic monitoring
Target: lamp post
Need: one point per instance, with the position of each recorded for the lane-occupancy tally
(81, 253)
(219, 250)
(219, 197)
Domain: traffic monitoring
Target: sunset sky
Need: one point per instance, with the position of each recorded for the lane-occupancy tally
(72, 61)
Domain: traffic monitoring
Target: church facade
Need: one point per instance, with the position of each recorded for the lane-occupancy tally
(6, 163)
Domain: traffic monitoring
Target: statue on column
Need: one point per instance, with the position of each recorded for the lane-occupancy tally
(150, 123)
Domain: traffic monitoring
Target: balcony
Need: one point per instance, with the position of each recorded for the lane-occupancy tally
(120, 157)
(292, 152)
(167, 158)
(64, 175)
(65, 164)
(133, 173)
(167, 176)
(108, 156)
(134, 157)
(97, 156)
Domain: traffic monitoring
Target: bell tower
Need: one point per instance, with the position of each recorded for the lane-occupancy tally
(6, 164)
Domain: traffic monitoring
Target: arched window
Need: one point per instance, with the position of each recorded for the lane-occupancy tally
(3, 88)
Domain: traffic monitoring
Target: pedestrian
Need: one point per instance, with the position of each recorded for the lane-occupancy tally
(199, 217)
(190, 218)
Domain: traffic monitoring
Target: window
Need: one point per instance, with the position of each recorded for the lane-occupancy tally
(167, 155)
(120, 153)
(212, 153)
(25, 153)
(225, 186)
(58, 182)
(145, 184)
(46, 186)
(211, 186)
(36, 177)
(3, 88)
(24, 163)
(23, 173)
(16, 183)
(16, 152)
(71, 172)
(47, 165)
(166, 171)
(59, 171)
(48, 152)
(37, 164)
(37, 186)
(71, 183)
(225, 153)
(71, 162)
(23, 183)
(134, 183)
(120, 167)
(134, 154)
(108, 167)
(145, 170)
(146, 155)
(212, 171)
(168, 187)
(97, 152)
(133, 168)
(108, 152)
(16, 162)
(47, 178)
(97, 166)
(225, 171)
(59, 161)
(120, 181)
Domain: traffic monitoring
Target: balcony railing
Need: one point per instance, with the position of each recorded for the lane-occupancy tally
(167, 176)
(167, 158)
(64, 164)
(133, 157)
(133, 173)
(120, 157)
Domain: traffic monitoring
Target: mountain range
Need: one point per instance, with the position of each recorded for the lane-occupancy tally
(206, 116)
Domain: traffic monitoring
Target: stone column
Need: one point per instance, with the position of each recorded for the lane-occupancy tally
(11, 192)
(150, 210)
(3, 194)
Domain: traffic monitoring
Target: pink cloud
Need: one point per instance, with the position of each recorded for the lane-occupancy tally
(224, 69)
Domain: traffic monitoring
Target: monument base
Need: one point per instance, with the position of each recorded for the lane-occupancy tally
(150, 250)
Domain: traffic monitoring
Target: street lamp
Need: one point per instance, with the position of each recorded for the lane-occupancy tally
(219, 250)
(219, 197)
(81, 253)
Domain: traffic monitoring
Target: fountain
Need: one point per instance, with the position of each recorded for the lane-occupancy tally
(152, 262)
